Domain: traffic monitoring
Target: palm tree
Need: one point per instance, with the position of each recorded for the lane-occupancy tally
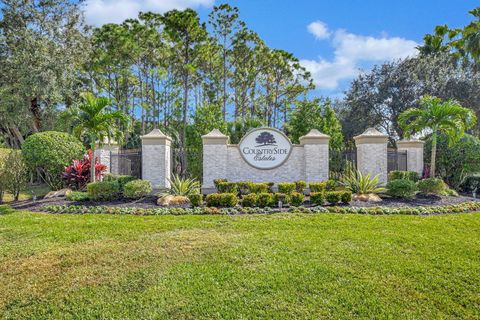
(437, 116)
(94, 120)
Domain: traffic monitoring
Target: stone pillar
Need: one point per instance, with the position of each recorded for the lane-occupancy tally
(156, 157)
(104, 152)
(372, 153)
(214, 158)
(316, 154)
(414, 150)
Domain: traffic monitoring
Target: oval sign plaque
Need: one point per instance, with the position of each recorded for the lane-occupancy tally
(265, 148)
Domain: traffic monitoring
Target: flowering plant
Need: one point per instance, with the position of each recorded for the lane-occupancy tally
(77, 175)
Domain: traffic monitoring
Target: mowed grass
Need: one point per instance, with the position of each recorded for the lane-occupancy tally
(280, 266)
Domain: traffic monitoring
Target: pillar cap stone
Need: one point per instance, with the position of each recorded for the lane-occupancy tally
(314, 137)
(156, 136)
(107, 142)
(215, 137)
(371, 135)
(410, 143)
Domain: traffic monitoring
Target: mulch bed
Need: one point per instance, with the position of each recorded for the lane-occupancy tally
(150, 202)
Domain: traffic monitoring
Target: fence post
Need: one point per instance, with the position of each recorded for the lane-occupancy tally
(104, 153)
(214, 158)
(372, 153)
(156, 156)
(414, 150)
(316, 152)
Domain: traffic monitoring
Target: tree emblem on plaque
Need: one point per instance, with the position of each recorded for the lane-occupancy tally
(265, 139)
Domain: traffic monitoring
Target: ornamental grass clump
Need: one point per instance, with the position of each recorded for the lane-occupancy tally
(358, 183)
(181, 187)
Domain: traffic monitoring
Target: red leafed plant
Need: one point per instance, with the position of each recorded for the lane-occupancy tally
(77, 175)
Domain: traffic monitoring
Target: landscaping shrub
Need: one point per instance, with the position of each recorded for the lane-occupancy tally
(265, 199)
(328, 185)
(431, 186)
(357, 182)
(221, 200)
(77, 196)
(217, 181)
(278, 196)
(103, 190)
(77, 175)
(401, 188)
(244, 187)
(296, 199)
(196, 200)
(137, 189)
(261, 187)
(50, 152)
(346, 197)
(15, 176)
(286, 187)
(403, 175)
(122, 180)
(249, 200)
(333, 197)
(182, 186)
(300, 186)
(471, 183)
(317, 198)
(227, 187)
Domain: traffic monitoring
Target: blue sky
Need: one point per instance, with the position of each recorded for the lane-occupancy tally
(333, 39)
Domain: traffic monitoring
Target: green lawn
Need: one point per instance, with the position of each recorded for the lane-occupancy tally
(280, 266)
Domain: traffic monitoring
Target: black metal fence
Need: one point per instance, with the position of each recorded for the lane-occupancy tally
(127, 162)
(397, 160)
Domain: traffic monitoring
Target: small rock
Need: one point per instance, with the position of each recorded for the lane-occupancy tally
(370, 197)
(170, 200)
(58, 194)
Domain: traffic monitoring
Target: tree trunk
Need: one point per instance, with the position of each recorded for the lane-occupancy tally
(92, 164)
(434, 155)
(36, 113)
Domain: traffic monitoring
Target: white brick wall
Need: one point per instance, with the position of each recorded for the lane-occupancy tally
(214, 163)
(156, 164)
(316, 162)
(372, 158)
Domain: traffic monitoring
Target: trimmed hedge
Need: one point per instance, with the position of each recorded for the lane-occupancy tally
(265, 199)
(227, 187)
(403, 175)
(346, 197)
(333, 197)
(457, 208)
(221, 200)
(300, 186)
(296, 199)
(317, 198)
(328, 185)
(137, 189)
(401, 188)
(77, 196)
(103, 190)
(196, 200)
(249, 200)
(432, 186)
(287, 187)
(122, 180)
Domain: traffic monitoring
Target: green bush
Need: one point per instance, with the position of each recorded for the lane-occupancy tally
(50, 152)
(261, 187)
(286, 187)
(333, 197)
(217, 181)
(103, 190)
(346, 197)
(401, 188)
(300, 186)
(137, 189)
(221, 200)
(296, 199)
(432, 186)
(227, 187)
(244, 187)
(317, 198)
(6, 209)
(471, 183)
(249, 200)
(403, 175)
(328, 185)
(196, 200)
(278, 196)
(14, 177)
(122, 180)
(265, 199)
(77, 196)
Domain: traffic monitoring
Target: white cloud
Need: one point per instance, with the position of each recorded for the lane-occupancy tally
(351, 51)
(319, 29)
(98, 12)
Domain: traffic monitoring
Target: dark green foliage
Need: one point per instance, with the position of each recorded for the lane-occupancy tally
(333, 197)
(300, 186)
(346, 196)
(227, 187)
(137, 189)
(249, 200)
(286, 187)
(471, 183)
(432, 186)
(216, 182)
(317, 198)
(401, 188)
(296, 199)
(50, 152)
(77, 196)
(328, 185)
(122, 180)
(196, 200)
(403, 175)
(265, 199)
(221, 200)
(103, 190)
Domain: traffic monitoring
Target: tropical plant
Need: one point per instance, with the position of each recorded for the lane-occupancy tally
(95, 122)
(437, 116)
(358, 183)
(181, 186)
(77, 175)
